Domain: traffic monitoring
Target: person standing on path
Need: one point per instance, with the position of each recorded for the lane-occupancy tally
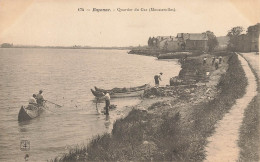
(220, 59)
(157, 79)
(216, 63)
(213, 60)
(204, 60)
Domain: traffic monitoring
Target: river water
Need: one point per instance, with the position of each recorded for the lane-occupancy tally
(66, 76)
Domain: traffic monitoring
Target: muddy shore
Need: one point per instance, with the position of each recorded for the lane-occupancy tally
(172, 122)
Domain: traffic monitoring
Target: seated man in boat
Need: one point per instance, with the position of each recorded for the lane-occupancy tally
(32, 102)
(39, 98)
(107, 99)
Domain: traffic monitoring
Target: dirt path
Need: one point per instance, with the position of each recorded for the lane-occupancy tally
(222, 144)
(253, 60)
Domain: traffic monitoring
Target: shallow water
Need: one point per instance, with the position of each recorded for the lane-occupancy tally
(66, 76)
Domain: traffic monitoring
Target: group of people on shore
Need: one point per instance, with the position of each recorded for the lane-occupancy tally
(37, 100)
(215, 61)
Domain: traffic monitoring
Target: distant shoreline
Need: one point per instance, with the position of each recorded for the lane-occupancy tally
(51, 47)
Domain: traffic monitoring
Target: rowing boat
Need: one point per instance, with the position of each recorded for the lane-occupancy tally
(123, 90)
(97, 93)
(29, 112)
(136, 93)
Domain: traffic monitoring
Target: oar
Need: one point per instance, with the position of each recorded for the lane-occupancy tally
(53, 103)
(45, 108)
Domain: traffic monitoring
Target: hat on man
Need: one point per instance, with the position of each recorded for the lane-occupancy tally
(161, 73)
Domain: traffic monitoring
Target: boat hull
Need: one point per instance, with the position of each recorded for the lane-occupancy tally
(128, 94)
(123, 90)
(138, 93)
(97, 93)
(27, 114)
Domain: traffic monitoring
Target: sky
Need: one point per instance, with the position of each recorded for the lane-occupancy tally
(59, 23)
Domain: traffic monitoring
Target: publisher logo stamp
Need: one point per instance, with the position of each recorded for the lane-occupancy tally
(24, 145)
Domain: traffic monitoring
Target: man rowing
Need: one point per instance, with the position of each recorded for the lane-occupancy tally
(39, 98)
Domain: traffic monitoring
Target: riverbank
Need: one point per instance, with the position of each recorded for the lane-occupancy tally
(146, 51)
(172, 123)
(164, 54)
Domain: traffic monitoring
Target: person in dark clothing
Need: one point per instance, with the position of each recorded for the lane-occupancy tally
(220, 59)
(216, 63)
(157, 79)
(204, 60)
(39, 98)
(107, 99)
(213, 60)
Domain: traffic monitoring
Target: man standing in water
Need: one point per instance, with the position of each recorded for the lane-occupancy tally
(107, 99)
(157, 78)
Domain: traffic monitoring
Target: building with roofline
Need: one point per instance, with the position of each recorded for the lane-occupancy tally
(193, 41)
(182, 42)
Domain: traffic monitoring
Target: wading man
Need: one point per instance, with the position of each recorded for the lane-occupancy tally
(107, 99)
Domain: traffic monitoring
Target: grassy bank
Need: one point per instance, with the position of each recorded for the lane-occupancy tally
(249, 131)
(172, 130)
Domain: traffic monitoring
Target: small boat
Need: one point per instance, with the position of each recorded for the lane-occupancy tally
(136, 93)
(123, 90)
(29, 112)
(97, 93)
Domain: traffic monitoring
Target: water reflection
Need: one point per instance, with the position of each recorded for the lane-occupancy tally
(107, 122)
(22, 126)
(23, 130)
